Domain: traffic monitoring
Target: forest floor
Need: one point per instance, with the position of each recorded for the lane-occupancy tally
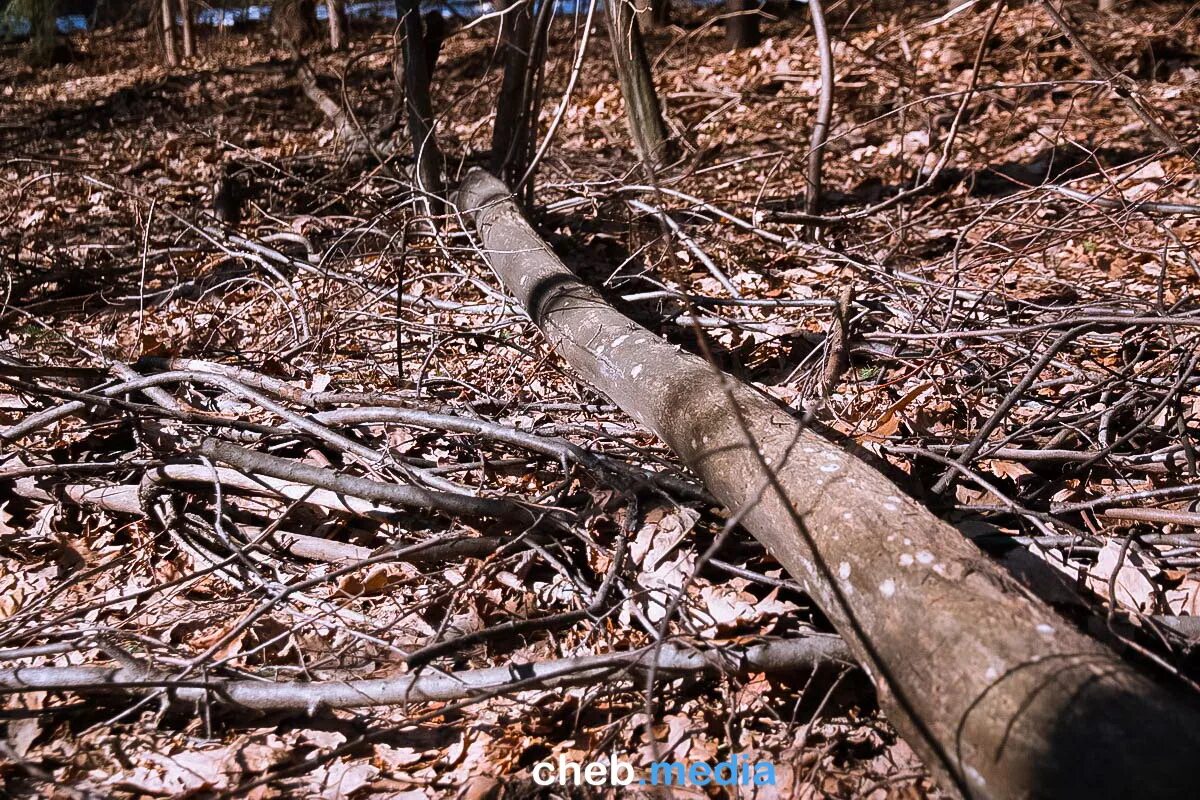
(1039, 240)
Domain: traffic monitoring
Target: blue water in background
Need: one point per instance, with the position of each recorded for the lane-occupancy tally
(17, 28)
(373, 9)
(12, 27)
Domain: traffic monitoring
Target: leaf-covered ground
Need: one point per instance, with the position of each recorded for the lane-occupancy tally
(1042, 242)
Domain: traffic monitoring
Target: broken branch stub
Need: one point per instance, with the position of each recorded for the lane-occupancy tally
(1002, 697)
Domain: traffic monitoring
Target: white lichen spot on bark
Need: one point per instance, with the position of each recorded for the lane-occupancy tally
(906, 559)
(1045, 630)
(832, 466)
(887, 588)
(925, 557)
(974, 775)
(844, 570)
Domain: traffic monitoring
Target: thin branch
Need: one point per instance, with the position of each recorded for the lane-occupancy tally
(782, 656)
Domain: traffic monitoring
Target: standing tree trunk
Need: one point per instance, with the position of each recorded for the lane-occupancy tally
(653, 13)
(820, 131)
(660, 12)
(642, 108)
(741, 24)
(294, 22)
(170, 56)
(515, 135)
(1004, 698)
(338, 37)
(421, 45)
(188, 35)
(42, 32)
(510, 137)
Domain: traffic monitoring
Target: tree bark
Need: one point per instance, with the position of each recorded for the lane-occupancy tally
(420, 55)
(510, 139)
(170, 56)
(787, 655)
(1000, 695)
(294, 22)
(660, 13)
(653, 13)
(642, 109)
(338, 40)
(186, 33)
(741, 26)
(43, 33)
(820, 131)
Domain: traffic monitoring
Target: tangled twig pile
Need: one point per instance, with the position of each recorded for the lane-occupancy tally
(318, 465)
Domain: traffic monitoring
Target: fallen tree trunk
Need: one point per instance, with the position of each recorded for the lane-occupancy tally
(1002, 697)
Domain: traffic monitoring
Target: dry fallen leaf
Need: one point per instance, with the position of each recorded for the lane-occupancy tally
(663, 530)
(1133, 587)
(1184, 599)
(341, 778)
(1007, 469)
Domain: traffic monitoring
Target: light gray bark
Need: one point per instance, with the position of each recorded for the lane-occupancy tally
(671, 660)
(337, 24)
(820, 131)
(354, 487)
(1000, 695)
